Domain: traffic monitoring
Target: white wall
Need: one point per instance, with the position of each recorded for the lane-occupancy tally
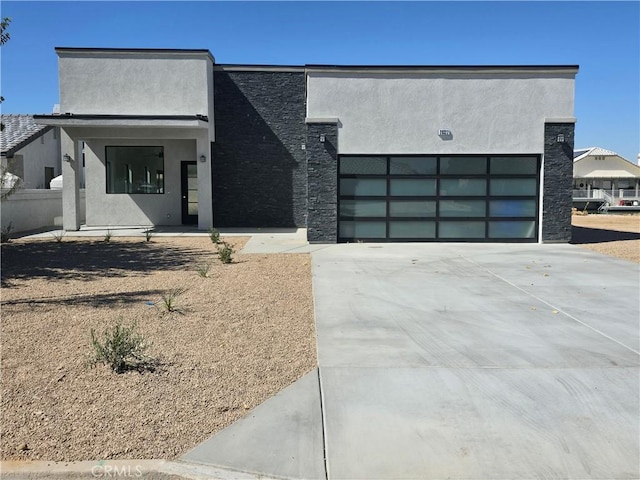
(616, 165)
(135, 209)
(488, 112)
(33, 209)
(135, 83)
(41, 152)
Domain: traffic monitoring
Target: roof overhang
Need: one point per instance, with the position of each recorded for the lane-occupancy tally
(129, 121)
(608, 174)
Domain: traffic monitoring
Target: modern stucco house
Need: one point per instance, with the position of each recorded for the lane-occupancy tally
(379, 153)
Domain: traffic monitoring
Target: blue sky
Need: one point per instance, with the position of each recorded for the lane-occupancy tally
(602, 37)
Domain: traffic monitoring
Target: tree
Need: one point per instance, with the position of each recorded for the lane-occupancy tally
(5, 175)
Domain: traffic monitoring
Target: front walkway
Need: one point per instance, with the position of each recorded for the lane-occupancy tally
(459, 361)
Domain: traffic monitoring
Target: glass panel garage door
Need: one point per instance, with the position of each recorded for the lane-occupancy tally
(438, 198)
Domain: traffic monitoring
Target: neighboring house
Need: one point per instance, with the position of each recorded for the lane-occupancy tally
(600, 174)
(372, 153)
(29, 150)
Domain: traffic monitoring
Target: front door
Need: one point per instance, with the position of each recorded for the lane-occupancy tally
(189, 176)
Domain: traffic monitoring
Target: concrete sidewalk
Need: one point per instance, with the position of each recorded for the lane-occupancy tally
(458, 361)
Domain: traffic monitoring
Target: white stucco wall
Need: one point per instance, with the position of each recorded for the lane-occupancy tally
(41, 152)
(32, 209)
(402, 112)
(135, 209)
(132, 82)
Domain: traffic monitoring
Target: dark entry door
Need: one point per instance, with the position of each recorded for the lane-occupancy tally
(189, 177)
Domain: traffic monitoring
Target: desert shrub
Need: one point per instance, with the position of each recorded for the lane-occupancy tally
(214, 235)
(169, 300)
(122, 348)
(148, 234)
(58, 236)
(225, 252)
(203, 270)
(4, 233)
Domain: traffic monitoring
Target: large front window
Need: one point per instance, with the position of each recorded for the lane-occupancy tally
(135, 169)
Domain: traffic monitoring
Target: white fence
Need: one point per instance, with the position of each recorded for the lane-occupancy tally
(32, 209)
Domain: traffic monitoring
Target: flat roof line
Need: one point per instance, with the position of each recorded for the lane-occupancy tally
(120, 117)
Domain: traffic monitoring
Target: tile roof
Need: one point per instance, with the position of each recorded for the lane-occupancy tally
(19, 130)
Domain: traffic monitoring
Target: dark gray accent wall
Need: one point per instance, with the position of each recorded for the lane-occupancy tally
(322, 168)
(259, 167)
(558, 181)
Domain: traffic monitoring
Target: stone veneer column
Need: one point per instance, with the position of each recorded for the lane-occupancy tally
(557, 183)
(322, 181)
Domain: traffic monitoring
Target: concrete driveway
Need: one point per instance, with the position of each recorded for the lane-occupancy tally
(477, 362)
(457, 361)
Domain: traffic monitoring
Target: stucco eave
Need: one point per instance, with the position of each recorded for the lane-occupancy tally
(68, 121)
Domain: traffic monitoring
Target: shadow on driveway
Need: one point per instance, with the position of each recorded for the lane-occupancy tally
(585, 235)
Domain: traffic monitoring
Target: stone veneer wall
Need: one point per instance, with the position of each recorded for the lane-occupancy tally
(557, 183)
(259, 167)
(322, 168)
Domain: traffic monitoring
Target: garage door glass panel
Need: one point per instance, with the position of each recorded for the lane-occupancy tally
(363, 208)
(363, 186)
(412, 229)
(412, 208)
(409, 187)
(363, 165)
(462, 229)
(463, 208)
(413, 165)
(513, 186)
(514, 165)
(512, 208)
(463, 187)
(463, 165)
(363, 229)
(513, 229)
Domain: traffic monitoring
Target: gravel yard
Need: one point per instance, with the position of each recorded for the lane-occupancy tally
(615, 235)
(243, 333)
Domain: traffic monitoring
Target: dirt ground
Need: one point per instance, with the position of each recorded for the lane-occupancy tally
(242, 334)
(615, 235)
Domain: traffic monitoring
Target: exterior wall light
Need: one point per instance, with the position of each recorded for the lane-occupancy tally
(322, 138)
(67, 158)
(203, 159)
(560, 138)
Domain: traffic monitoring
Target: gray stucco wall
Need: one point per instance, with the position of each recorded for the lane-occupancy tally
(259, 166)
(133, 82)
(488, 111)
(557, 183)
(135, 209)
(322, 167)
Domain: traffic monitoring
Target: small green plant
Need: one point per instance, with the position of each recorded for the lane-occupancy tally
(107, 236)
(203, 270)
(58, 236)
(168, 302)
(225, 252)
(214, 235)
(4, 233)
(122, 348)
(148, 234)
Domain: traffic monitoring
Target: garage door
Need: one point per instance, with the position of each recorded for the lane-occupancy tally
(438, 198)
